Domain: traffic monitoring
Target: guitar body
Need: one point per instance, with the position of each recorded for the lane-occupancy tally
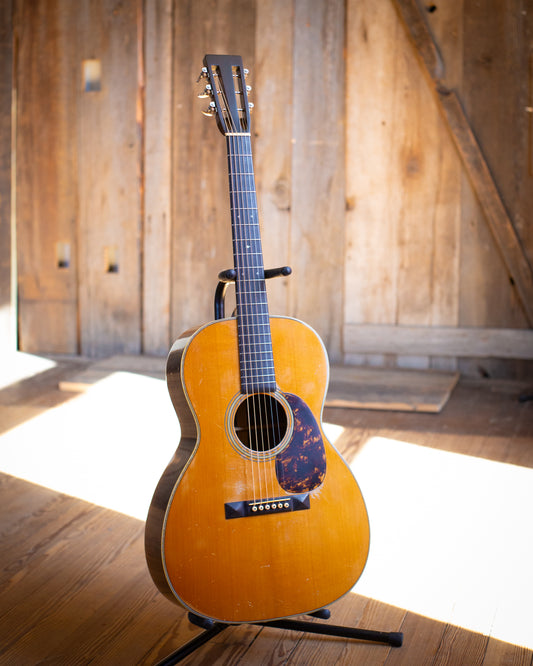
(241, 534)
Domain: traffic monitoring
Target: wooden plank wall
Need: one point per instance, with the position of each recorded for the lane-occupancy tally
(360, 186)
(420, 252)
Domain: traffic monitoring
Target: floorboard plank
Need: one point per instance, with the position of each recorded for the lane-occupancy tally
(459, 646)
(74, 587)
(499, 653)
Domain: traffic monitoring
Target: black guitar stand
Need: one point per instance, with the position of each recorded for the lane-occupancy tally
(225, 278)
(212, 628)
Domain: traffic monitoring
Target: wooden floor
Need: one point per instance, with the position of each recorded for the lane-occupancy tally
(74, 588)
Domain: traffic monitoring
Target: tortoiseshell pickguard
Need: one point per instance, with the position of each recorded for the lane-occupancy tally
(301, 466)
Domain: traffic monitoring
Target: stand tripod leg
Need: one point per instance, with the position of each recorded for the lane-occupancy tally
(192, 645)
(211, 629)
(392, 638)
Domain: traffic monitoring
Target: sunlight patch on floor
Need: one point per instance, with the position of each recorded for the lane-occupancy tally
(109, 445)
(451, 537)
(15, 366)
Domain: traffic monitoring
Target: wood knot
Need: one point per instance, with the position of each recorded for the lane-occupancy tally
(281, 194)
(413, 164)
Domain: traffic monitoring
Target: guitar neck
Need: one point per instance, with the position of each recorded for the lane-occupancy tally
(253, 323)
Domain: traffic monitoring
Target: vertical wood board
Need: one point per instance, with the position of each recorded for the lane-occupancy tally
(318, 156)
(372, 193)
(46, 176)
(492, 75)
(157, 177)
(446, 26)
(272, 94)
(7, 341)
(109, 182)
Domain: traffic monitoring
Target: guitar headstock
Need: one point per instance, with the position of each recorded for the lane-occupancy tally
(226, 86)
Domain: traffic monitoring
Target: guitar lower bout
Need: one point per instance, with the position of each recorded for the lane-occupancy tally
(257, 517)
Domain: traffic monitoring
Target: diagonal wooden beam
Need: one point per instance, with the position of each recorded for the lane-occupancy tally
(471, 154)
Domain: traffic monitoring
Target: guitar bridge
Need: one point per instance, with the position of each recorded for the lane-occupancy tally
(249, 508)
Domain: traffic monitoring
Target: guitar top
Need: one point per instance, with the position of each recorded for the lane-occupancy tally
(257, 517)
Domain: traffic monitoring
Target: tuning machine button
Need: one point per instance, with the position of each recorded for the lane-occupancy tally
(208, 92)
(203, 74)
(210, 111)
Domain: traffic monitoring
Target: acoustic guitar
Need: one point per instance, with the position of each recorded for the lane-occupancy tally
(257, 517)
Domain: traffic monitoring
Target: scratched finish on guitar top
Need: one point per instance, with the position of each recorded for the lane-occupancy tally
(301, 466)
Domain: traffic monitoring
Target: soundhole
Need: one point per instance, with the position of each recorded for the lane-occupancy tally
(260, 422)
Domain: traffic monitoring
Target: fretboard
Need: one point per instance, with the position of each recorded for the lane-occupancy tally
(253, 323)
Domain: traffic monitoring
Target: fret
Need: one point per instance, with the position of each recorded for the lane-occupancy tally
(258, 387)
(254, 326)
(258, 374)
(252, 373)
(257, 364)
(262, 356)
(251, 342)
(259, 328)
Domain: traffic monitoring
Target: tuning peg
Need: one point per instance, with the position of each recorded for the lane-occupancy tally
(210, 111)
(248, 88)
(208, 92)
(250, 105)
(246, 72)
(203, 74)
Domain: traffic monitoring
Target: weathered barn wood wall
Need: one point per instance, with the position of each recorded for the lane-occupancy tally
(416, 231)
(122, 208)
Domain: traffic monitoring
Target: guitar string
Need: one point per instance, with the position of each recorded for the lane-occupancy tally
(248, 330)
(266, 349)
(262, 437)
(271, 429)
(258, 347)
(264, 342)
(254, 337)
(241, 307)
